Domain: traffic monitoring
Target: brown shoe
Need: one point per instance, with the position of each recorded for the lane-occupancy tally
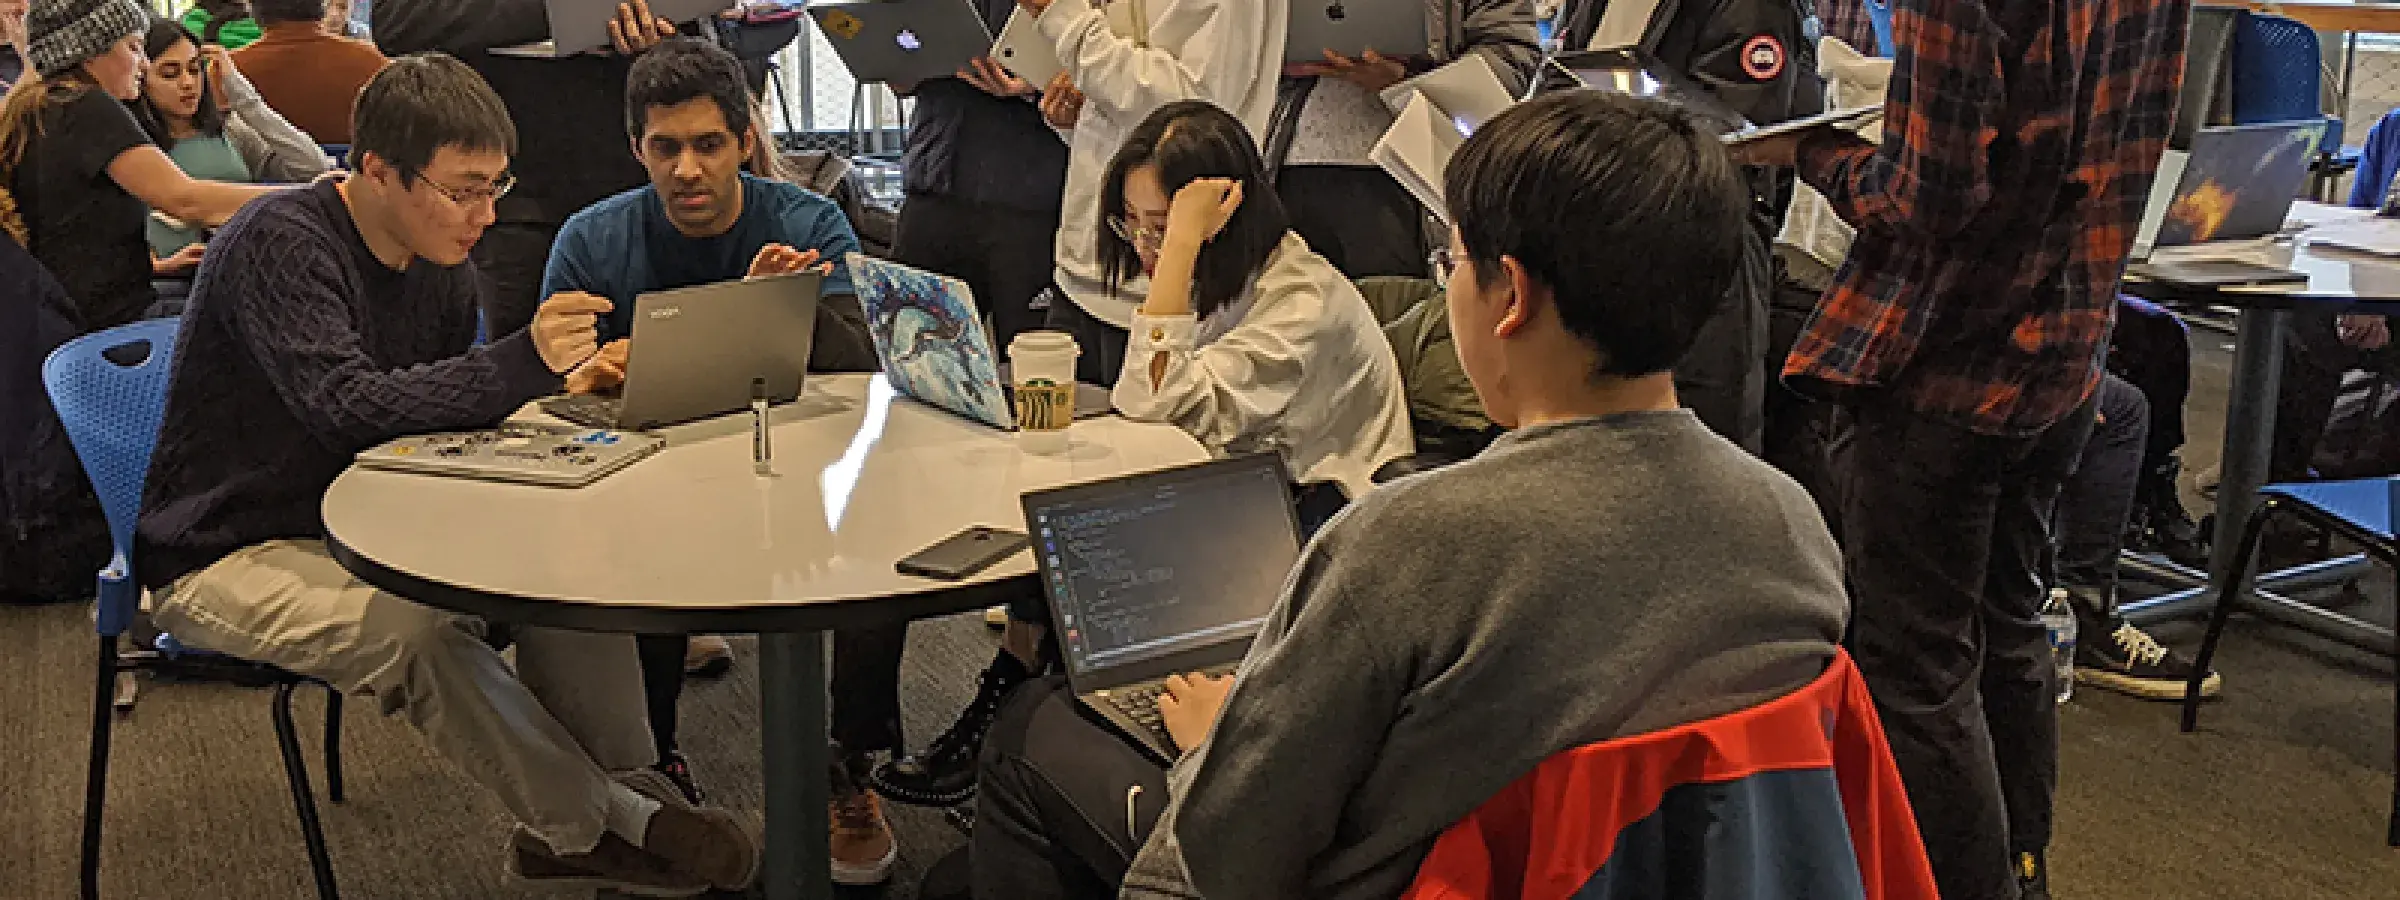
(613, 864)
(707, 656)
(864, 849)
(709, 842)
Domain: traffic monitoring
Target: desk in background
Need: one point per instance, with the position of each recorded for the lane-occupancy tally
(691, 540)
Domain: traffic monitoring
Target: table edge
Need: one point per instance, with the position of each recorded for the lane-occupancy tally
(550, 612)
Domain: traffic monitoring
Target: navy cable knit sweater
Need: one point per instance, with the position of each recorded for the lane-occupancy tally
(299, 349)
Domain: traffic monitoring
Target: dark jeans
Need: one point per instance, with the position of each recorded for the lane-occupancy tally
(1057, 815)
(1357, 217)
(2315, 359)
(1100, 346)
(1003, 254)
(1946, 536)
(1797, 429)
(511, 257)
(2097, 499)
(865, 689)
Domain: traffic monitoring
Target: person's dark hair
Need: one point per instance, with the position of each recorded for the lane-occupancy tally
(1629, 211)
(682, 70)
(1187, 141)
(421, 103)
(269, 12)
(163, 34)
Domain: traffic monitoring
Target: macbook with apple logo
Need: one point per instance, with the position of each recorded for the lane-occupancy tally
(903, 41)
(1352, 27)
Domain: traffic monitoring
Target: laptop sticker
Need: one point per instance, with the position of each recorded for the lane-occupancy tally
(842, 24)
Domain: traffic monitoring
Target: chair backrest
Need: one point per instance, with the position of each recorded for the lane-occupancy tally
(1799, 792)
(2278, 71)
(110, 390)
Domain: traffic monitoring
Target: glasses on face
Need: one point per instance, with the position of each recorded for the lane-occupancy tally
(1444, 262)
(476, 194)
(1140, 237)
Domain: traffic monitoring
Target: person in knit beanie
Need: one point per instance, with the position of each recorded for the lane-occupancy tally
(81, 175)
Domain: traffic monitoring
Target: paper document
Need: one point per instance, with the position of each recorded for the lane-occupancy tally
(2376, 235)
(1417, 150)
(1438, 110)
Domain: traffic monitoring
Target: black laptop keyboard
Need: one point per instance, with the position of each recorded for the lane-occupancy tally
(1140, 703)
(586, 410)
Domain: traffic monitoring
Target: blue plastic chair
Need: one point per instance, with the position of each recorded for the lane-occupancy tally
(2278, 76)
(110, 390)
(2357, 509)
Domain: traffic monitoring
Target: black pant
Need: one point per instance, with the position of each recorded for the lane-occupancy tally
(2097, 499)
(1003, 254)
(511, 257)
(866, 688)
(2314, 361)
(1057, 813)
(2152, 349)
(1357, 217)
(1946, 535)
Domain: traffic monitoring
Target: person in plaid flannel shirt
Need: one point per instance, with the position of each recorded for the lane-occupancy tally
(1963, 339)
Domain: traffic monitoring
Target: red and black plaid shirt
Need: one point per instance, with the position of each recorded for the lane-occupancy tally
(2020, 140)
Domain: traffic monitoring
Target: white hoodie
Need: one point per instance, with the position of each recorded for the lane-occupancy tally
(1227, 52)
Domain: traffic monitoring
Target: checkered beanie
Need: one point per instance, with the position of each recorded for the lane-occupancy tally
(61, 34)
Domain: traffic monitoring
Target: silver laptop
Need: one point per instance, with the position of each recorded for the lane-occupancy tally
(2237, 183)
(1394, 28)
(578, 26)
(1161, 573)
(696, 351)
(903, 40)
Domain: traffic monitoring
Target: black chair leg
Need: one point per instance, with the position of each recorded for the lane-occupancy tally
(95, 779)
(2245, 555)
(2391, 835)
(295, 769)
(333, 744)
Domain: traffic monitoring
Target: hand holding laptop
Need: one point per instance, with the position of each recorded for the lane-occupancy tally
(1190, 705)
(987, 76)
(1062, 104)
(634, 30)
(1373, 71)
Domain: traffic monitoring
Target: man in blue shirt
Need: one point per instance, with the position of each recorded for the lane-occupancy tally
(702, 221)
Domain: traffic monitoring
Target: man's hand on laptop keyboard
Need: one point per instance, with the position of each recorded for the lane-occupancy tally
(603, 372)
(1190, 706)
(780, 259)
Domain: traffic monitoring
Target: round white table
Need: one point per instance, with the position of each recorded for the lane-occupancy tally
(693, 540)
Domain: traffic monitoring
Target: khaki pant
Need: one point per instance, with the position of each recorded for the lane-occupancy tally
(541, 738)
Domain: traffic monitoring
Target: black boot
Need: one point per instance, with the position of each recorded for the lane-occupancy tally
(2167, 528)
(943, 774)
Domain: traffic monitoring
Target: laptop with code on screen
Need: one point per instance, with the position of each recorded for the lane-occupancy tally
(1161, 573)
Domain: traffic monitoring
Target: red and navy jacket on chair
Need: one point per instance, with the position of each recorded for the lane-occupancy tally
(1795, 798)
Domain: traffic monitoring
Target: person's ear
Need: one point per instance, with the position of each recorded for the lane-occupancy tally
(1517, 309)
(634, 143)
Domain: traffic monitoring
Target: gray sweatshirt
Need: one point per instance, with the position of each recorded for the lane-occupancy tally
(1576, 582)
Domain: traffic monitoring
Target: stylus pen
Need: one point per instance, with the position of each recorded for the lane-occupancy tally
(762, 449)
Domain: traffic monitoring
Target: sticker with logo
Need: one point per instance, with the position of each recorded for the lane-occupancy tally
(842, 25)
(1762, 57)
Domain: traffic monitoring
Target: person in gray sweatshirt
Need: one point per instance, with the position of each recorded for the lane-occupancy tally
(1609, 567)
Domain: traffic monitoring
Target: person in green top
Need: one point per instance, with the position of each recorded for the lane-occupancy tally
(226, 23)
(198, 108)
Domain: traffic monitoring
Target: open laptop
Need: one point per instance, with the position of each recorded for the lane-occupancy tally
(929, 336)
(899, 41)
(2237, 182)
(1638, 74)
(696, 350)
(1161, 573)
(581, 26)
(1353, 27)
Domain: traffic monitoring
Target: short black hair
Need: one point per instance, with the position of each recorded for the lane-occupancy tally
(207, 119)
(1189, 140)
(269, 12)
(1627, 209)
(421, 103)
(681, 70)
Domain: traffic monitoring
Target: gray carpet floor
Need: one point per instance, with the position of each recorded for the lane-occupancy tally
(2282, 794)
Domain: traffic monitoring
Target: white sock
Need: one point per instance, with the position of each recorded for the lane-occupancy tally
(629, 813)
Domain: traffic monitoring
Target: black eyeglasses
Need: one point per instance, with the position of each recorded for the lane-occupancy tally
(470, 196)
